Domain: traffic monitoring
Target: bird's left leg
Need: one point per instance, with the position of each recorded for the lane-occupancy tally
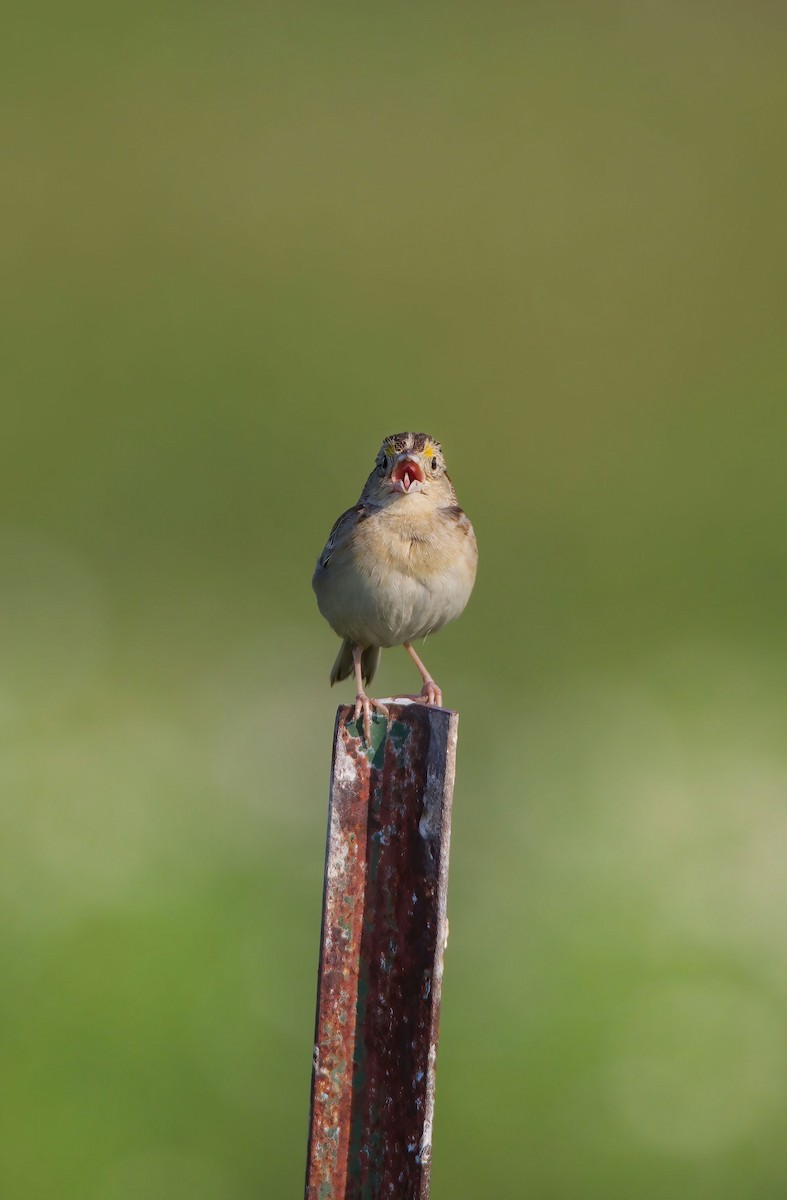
(430, 692)
(364, 703)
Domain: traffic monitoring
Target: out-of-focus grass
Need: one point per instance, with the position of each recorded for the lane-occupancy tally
(238, 248)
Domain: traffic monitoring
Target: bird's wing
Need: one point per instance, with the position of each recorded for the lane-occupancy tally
(341, 532)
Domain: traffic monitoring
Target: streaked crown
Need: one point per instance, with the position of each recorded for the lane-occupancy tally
(398, 443)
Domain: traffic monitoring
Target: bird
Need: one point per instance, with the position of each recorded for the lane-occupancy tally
(397, 566)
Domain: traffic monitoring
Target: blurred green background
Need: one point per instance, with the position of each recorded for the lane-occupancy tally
(240, 245)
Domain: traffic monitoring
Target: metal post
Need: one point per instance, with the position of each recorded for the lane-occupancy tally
(384, 930)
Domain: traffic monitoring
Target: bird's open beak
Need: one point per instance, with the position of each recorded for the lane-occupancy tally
(407, 475)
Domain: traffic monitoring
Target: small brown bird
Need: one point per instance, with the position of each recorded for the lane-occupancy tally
(397, 566)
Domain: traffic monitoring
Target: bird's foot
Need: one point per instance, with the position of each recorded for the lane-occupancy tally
(364, 704)
(430, 693)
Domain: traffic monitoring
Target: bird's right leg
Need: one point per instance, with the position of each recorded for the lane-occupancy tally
(363, 703)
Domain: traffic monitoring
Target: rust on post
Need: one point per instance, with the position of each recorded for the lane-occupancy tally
(381, 957)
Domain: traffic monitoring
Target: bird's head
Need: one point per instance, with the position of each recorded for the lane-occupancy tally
(410, 464)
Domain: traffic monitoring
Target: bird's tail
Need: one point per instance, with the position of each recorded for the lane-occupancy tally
(343, 667)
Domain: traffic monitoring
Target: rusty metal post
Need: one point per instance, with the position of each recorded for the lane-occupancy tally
(384, 930)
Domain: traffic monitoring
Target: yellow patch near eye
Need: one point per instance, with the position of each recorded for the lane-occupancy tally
(429, 451)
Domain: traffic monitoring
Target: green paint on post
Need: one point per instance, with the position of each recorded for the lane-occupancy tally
(379, 732)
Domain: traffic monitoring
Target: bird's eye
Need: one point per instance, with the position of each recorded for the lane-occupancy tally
(434, 464)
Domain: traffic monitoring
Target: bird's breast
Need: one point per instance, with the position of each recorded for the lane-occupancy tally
(419, 544)
(414, 572)
(404, 571)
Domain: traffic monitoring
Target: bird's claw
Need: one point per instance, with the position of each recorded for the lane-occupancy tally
(364, 704)
(429, 694)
